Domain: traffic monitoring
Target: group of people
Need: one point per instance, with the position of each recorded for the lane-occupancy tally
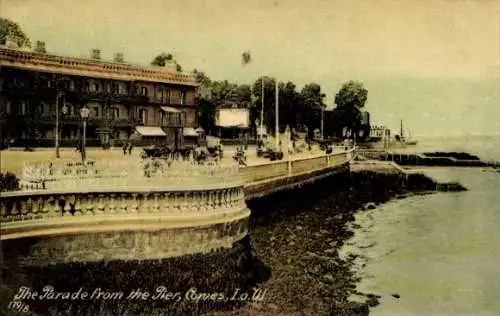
(127, 147)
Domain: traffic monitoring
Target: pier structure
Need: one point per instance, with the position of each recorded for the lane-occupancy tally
(73, 212)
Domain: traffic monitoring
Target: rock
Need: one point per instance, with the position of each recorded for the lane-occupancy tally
(329, 251)
(322, 231)
(372, 302)
(291, 243)
(299, 227)
(396, 295)
(272, 306)
(257, 306)
(370, 206)
(356, 308)
(328, 278)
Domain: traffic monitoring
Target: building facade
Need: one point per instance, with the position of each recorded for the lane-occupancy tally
(123, 100)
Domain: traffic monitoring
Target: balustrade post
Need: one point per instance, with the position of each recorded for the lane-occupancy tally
(167, 202)
(78, 206)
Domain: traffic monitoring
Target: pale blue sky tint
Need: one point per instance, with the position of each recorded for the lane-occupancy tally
(435, 64)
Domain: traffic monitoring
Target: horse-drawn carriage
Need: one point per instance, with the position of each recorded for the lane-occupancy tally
(166, 152)
(268, 150)
(155, 152)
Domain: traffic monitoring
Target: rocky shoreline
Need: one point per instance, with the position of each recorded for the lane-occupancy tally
(291, 256)
(298, 235)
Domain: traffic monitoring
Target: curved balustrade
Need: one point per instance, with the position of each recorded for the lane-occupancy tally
(19, 206)
(139, 209)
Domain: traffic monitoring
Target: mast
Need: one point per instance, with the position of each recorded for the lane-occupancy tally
(401, 130)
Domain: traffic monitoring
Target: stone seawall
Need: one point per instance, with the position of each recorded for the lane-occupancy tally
(196, 284)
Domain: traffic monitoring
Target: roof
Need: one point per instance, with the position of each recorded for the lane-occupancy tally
(43, 62)
(150, 131)
(170, 109)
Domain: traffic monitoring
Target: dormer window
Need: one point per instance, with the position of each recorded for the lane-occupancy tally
(144, 91)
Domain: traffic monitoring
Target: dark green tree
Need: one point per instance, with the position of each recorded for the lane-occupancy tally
(312, 104)
(161, 60)
(350, 100)
(289, 105)
(246, 58)
(201, 78)
(11, 28)
(204, 105)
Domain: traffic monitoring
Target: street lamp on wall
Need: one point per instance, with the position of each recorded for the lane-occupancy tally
(64, 110)
(84, 113)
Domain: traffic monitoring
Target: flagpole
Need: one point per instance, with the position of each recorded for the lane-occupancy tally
(262, 109)
(277, 132)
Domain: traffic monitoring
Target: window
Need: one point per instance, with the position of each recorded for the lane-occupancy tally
(96, 111)
(182, 97)
(94, 87)
(115, 113)
(115, 88)
(144, 91)
(23, 107)
(167, 95)
(143, 116)
(159, 94)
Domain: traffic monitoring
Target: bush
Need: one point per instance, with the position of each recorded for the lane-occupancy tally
(8, 182)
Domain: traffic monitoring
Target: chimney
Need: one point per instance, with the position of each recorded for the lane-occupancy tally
(119, 58)
(40, 47)
(95, 54)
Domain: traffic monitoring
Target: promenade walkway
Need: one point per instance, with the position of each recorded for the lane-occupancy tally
(15, 159)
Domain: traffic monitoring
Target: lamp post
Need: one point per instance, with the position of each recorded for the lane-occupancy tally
(262, 111)
(84, 113)
(64, 110)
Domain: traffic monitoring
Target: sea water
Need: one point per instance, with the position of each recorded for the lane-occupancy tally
(439, 253)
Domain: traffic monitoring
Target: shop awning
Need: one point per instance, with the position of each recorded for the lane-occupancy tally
(240, 126)
(149, 131)
(170, 109)
(189, 131)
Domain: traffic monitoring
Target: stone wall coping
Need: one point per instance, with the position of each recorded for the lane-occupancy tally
(128, 189)
(284, 161)
(117, 222)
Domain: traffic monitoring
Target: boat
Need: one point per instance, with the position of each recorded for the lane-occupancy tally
(408, 141)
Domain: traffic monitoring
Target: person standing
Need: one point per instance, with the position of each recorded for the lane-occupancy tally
(130, 148)
(124, 147)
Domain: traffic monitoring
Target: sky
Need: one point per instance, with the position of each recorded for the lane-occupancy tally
(433, 63)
